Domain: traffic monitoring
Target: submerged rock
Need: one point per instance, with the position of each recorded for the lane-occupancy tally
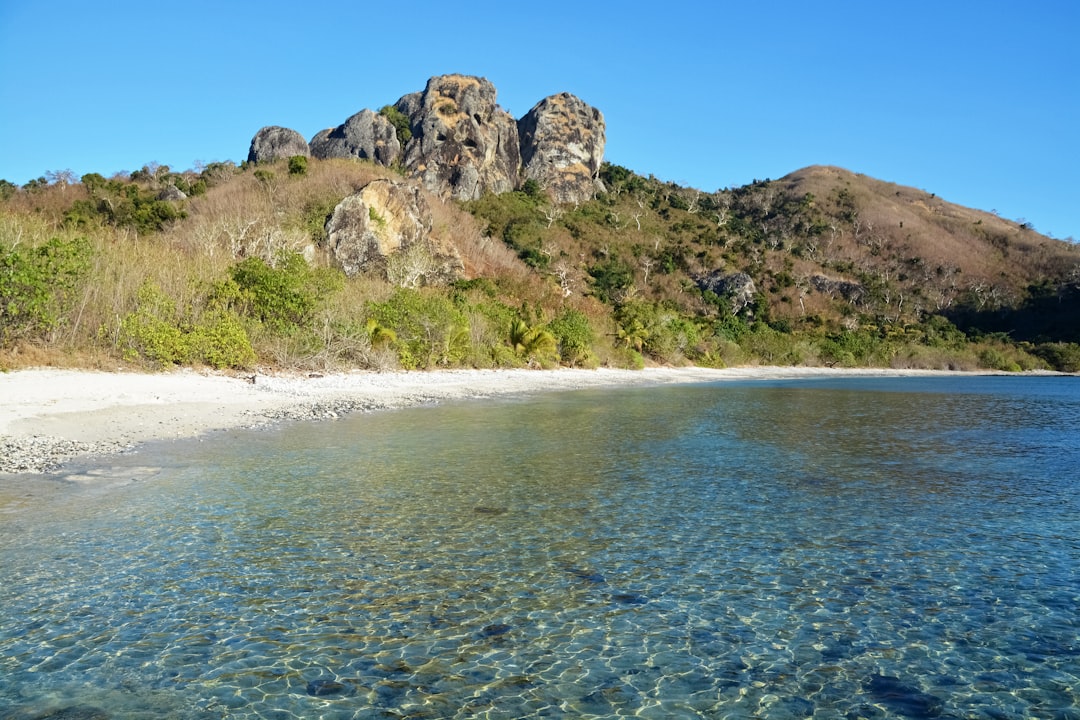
(495, 630)
(901, 698)
(322, 688)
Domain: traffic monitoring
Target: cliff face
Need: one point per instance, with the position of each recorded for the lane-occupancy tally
(562, 147)
(463, 144)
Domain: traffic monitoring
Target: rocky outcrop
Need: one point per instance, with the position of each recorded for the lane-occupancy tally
(738, 288)
(171, 193)
(562, 147)
(366, 135)
(464, 145)
(274, 143)
(385, 227)
(851, 291)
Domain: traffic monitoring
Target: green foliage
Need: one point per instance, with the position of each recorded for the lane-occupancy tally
(534, 344)
(7, 189)
(575, 336)
(533, 189)
(515, 218)
(659, 331)
(284, 296)
(993, 358)
(121, 203)
(619, 179)
(314, 216)
(852, 348)
(157, 332)
(610, 278)
(429, 329)
(38, 286)
(1063, 357)
(152, 331)
(400, 122)
(298, 165)
(221, 341)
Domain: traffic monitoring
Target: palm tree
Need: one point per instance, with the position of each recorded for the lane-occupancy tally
(532, 343)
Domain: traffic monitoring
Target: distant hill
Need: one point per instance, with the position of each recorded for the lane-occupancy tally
(440, 232)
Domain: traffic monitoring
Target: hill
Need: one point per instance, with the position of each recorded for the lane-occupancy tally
(317, 263)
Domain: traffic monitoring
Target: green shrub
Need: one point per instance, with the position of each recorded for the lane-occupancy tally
(400, 122)
(610, 278)
(298, 165)
(38, 286)
(429, 329)
(221, 341)
(574, 335)
(283, 296)
(152, 331)
(994, 359)
(157, 331)
(121, 203)
(1063, 357)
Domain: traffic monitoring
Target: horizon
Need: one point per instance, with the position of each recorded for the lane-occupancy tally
(976, 103)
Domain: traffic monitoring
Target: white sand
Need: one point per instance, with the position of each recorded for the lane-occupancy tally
(53, 407)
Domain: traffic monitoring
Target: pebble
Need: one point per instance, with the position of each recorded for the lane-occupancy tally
(41, 453)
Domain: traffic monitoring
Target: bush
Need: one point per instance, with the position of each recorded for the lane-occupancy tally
(284, 296)
(429, 330)
(610, 278)
(38, 286)
(400, 122)
(574, 335)
(298, 165)
(158, 332)
(1063, 357)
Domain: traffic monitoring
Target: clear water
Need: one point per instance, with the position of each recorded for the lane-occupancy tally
(829, 549)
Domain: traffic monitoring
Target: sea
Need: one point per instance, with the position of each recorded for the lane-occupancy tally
(818, 548)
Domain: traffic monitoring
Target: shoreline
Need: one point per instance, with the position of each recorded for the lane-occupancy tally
(52, 416)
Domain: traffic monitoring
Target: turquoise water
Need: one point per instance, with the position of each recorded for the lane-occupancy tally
(864, 548)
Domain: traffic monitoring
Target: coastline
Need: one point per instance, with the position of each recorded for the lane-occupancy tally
(51, 416)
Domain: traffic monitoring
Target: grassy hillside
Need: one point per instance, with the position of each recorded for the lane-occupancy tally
(846, 270)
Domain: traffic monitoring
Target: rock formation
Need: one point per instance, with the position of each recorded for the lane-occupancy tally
(562, 147)
(737, 287)
(274, 143)
(385, 227)
(366, 135)
(851, 291)
(463, 144)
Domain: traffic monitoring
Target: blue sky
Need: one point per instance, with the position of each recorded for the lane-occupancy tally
(978, 102)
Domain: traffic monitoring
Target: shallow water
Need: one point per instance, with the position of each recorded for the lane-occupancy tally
(862, 548)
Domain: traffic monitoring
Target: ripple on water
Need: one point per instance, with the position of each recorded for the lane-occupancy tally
(655, 554)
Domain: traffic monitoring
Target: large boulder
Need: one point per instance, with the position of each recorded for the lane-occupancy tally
(463, 144)
(738, 288)
(562, 147)
(367, 135)
(853, 292)
(385, 228)
(273, 143)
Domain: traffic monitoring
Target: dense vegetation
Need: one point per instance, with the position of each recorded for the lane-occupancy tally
(225, 267)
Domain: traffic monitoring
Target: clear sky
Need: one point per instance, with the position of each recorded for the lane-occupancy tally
(977, 101)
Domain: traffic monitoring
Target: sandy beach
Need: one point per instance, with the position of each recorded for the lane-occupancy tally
(48, 416)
